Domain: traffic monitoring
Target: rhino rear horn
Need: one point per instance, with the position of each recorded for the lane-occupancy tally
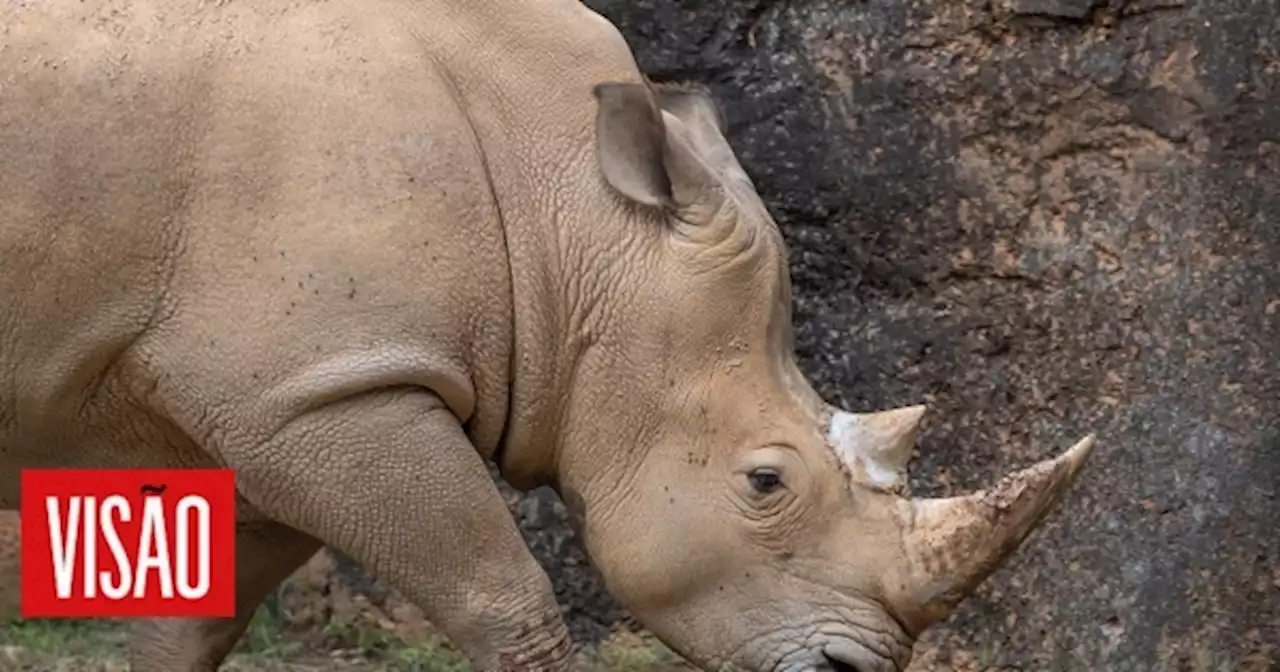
(952, 545)
(876, 447)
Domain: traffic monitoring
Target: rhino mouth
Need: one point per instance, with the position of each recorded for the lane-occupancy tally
(836, 665)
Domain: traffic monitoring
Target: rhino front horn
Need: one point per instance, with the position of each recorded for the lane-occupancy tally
(952, 545)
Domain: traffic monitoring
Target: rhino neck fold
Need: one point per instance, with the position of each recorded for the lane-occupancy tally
(559, 223)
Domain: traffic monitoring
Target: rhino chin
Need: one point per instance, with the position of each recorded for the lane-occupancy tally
(831, 658)
(829, 647)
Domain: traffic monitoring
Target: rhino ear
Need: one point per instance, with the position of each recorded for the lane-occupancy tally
(631, 141)
(641, 156)
(691, 103)
(705, 120)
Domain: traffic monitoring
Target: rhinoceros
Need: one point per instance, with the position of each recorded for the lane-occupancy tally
(355, 249)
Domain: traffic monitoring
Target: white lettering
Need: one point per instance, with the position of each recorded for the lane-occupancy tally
(63, 549)
(124, 570)
(115, 591)
(153, 551)
(90, 546)
(201, 508)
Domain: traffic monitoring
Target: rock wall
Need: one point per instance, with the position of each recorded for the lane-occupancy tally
(1044, 218)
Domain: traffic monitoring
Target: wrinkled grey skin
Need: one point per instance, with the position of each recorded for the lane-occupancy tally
(350, 249)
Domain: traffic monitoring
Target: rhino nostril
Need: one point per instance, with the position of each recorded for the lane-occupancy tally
(840, 665)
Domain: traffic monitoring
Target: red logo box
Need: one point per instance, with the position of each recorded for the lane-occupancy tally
(128, 543)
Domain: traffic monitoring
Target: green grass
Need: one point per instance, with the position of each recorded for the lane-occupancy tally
(270, 644)
(641, 657)
(71, 637)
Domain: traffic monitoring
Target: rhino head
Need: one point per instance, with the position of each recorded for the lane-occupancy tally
(748, 523)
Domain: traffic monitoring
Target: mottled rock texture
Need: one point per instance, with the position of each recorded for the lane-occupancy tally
(1044, 218)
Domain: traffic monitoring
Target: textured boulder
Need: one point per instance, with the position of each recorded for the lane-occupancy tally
(1043, 218)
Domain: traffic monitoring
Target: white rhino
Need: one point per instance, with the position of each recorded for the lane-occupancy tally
(352, 248)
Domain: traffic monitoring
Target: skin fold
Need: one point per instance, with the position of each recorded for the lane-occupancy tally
(354, 249)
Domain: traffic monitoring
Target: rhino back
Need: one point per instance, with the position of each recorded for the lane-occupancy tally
(232, 207)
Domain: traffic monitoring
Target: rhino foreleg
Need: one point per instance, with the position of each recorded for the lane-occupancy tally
(390, 478)
(266, 553)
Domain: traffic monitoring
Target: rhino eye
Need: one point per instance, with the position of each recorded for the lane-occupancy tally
(765, 481)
